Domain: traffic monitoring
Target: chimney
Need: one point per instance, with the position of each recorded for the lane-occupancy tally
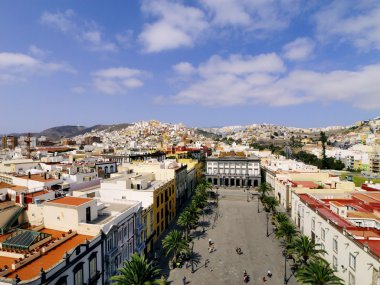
(29, 175)
(45, 175)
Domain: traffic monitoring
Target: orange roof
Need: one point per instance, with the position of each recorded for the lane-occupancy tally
(37, 177)
(37, 193)
(5, 185)
(337, 204)
(363, 215)
(49, 259)
(71, 201)
(364, 233)
(369, 197)
(19, 188)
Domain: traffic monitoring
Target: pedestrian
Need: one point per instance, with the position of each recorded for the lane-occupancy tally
(269, 274)
(184, 280)
(209, 242)
(187, 264)
(264, 279)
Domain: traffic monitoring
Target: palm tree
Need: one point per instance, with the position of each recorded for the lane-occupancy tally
(304, 248)
(174, 243)
(270, 203)
(286, 231)
(264, 189)
(186, 220)
(200, 200)
(280, 218)
(194, 210)
(317, 272)
(137, 271)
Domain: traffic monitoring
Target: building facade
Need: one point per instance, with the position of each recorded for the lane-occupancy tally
(233, 170)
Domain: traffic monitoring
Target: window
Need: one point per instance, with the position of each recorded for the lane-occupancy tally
(78, 274)
(351, 279)
(93, 266)
(335, 263)
(157, 201)
(352, 261)
(335, 245)
(158, 217)
(323, 234)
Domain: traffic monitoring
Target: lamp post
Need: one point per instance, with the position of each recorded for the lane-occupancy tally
(192, 257)
(247, 185)
(258, 203)
(285, 277)
(267, 224)
(203, 222)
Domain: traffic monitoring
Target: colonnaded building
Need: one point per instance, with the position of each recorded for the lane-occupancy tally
(233, 169)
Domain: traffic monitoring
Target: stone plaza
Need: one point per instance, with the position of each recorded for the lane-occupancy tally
(234, 223)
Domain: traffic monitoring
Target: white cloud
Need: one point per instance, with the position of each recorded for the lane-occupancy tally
(125, 39)
(242, 80)
(88, 33)
(61, 20)
(362, 29)
(184, 68)
(18, 66)
(177, 26)
(299, 49)
(265, 15)
(117, 80)
(78, 89)
(37, 52)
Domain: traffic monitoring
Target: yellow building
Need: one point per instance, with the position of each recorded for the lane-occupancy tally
(164, 207)
(147, 218)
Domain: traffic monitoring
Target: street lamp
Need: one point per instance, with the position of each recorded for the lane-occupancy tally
(203, 223)
(192, 257)
(247, 185)
(267, 224)
(258, 203)
(285, 278)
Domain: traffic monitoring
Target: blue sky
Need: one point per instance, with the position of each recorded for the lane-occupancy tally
(203, 63)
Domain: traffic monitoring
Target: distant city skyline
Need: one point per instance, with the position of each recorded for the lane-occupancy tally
(203, 63)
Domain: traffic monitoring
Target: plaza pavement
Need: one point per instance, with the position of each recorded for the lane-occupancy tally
(234, 223)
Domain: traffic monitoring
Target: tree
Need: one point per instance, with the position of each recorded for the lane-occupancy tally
(304, 248)
(317, 272)
(137, 271)
(324, 158)
(264, 189)
(286, 231)
(186, 220)
(174, 243)
(280, 218)
(270, 203)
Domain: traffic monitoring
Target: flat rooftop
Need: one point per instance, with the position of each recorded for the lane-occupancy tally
(48, 260)
(111, 210)
(37, 177)
(71, 201)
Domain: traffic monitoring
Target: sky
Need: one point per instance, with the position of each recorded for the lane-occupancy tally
(205, 63)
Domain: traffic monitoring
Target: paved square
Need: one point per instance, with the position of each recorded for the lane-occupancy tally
(235, 223)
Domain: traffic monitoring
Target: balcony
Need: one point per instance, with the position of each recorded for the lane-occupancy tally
(110, 254)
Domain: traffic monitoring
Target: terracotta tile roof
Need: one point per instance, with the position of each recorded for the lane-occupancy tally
(337, 204)
(19, 188)
(361, 215)
(49, 259)
(37, 193)
(71, 201)
(368, 198)
(306, 184)
(364, 233)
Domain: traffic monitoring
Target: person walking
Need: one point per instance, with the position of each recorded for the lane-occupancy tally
(269, 274)
(184, 280)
